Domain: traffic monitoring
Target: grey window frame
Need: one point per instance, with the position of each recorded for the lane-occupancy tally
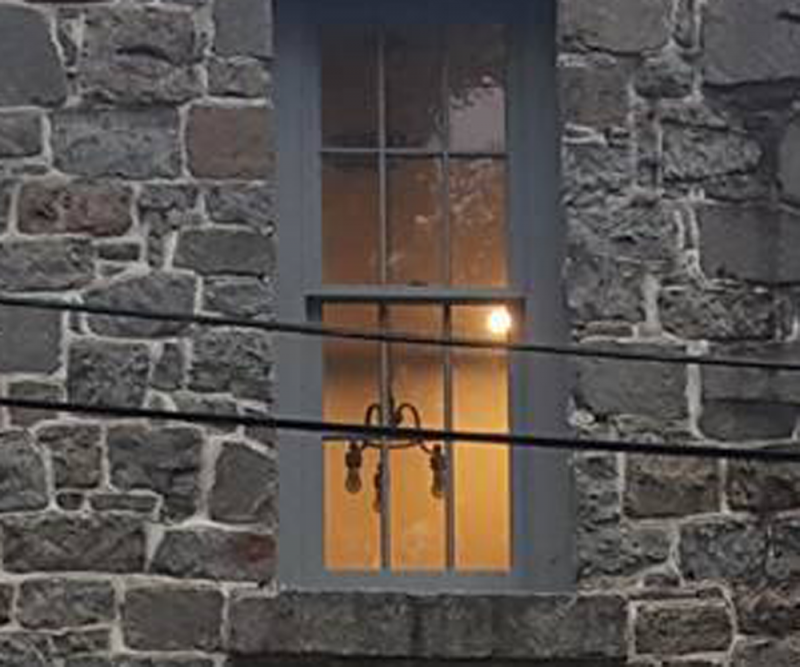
(542, 485)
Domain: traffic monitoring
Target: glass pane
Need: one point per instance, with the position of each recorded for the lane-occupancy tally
(477, 88)
(415, 198)
(417, 515)
(349, 87)
(478, 219)
(481, 471)
(350, 220)
(351, 382)
(414, 115)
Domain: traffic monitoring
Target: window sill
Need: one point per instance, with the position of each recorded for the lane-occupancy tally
(334, 629)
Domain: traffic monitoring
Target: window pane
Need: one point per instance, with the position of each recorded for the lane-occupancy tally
(415, 221)
(349, 87)
(351, 383)
(350, 220)
(417, 515)
(477, 88)
(414, 93)
(478, 219)
(481, 471)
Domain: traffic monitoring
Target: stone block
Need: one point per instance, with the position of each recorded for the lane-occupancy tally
(226, 251)
(73, 543)
(140, 55)
(664, 487)
(239, 297)
(607, 386)
(245, 487)
(237, 361)
(6, 600)
(30, 70)
(337, 624)
(693, 153)
(59, 207)
(722, 549)
(172, 618)
(243, 28)
(134, 144)
(63, 603)
(601, 287)
(747, 420)
(45, 264)
(169, 370)
(594, 171)
(32, 390)
(721, 314)
(252, 205)
(25, 649)
(783, 561)
(763, 487)
(23, 483)
(76, 454)
(81, 642)
(620, 551)
(455, 626)
(155, 292)
(666, 75)
(230, 142)
(772, 609)
(245, 79)
(165, 460)
(617, 26)
(104, 373)
(135, 503)
(216, 554)
(30, 340)
(20, 134)
(594, 95)
(789, 161)
(683, 628)
(750, 42)
(750, 243)
(784, 652)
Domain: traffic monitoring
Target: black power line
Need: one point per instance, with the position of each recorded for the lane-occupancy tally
(325, 331)
(348, 431)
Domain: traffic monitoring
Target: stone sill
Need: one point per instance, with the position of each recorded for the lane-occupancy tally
(351, 629)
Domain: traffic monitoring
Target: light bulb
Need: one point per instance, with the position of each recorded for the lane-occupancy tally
(499, 321)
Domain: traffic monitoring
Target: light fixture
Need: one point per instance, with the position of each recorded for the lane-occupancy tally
(354, 457)
(499, 322)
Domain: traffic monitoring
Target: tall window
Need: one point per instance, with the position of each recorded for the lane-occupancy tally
(402, 150)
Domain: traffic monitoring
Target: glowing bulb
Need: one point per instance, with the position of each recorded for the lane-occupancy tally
(499, 321)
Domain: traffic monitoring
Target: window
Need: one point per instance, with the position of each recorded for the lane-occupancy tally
(418, 193)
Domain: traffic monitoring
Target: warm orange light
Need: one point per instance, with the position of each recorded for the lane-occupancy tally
(499, 321)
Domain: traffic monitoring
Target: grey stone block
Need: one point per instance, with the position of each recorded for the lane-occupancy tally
(155, 292)
(595, 95)
(759, 488)
(25, 649)
(683, 628)
(63, 603)
(784, 652)
(23, 485)
(783, 561)
(45, 264)
(30, 340)
(216, 554)
(135, 144)
(243, 28)
(30, 70)
(620, 551)
(32, 390)
(695, 153)
(225, 251)
(239, 297)
(253, 205)
(772, 609)
(104, 373)
(246, 79)
(165, 460)
(20, 135)
(245, 487)
(76, 454)
(172, 618)
(722, 549)
(62, 543)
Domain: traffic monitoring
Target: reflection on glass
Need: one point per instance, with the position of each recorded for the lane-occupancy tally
(477, 88)
(415, 221)
(350, 215)
(349, 87)
(417, 517)
(480, 396)
(351, 382)
(478, 218)
(414, 114)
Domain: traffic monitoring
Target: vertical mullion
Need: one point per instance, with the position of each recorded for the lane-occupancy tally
(385, 388)
(450, 497)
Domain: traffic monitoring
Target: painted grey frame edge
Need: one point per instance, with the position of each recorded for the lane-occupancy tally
(543, 537)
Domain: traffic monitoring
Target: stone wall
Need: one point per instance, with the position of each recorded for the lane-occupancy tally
(137, 171)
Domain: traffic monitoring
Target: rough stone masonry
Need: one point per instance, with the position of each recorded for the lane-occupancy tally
(137, 171)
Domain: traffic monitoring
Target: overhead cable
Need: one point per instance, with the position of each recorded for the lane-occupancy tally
(326, 331)
(341, 431)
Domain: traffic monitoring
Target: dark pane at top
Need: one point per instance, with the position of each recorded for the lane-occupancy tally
(414, 114)
(349, 87)
(477, 84)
